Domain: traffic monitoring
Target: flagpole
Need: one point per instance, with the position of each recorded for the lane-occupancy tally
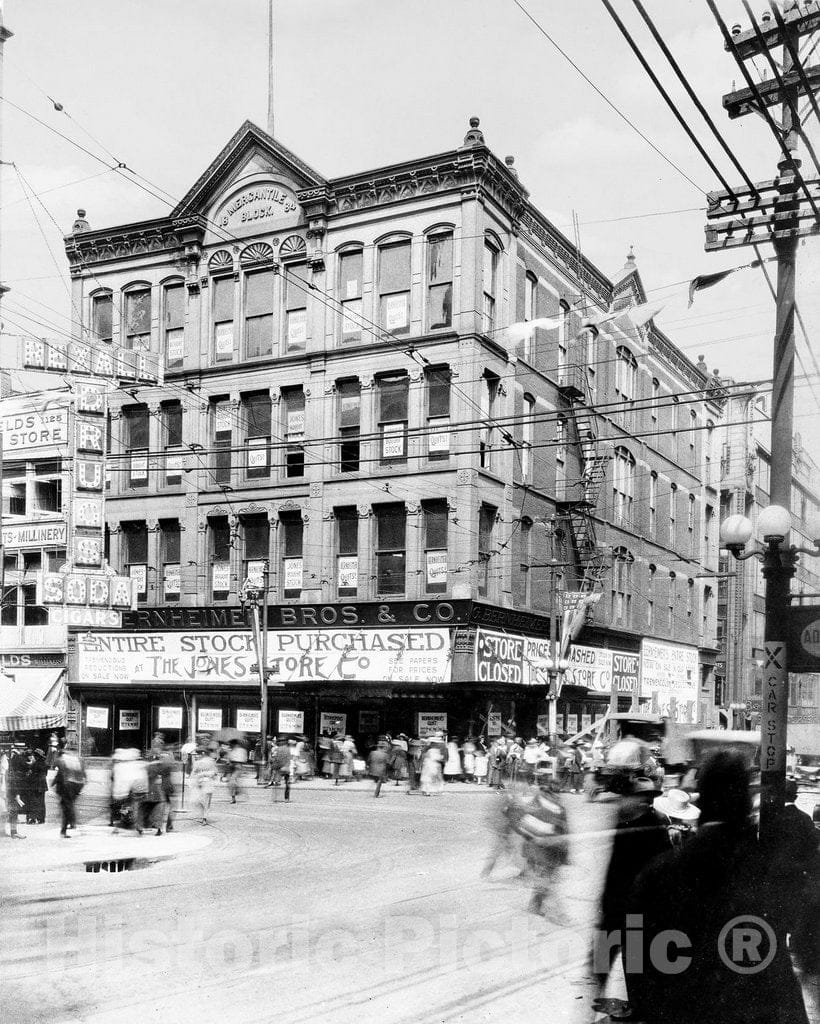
(270, 67)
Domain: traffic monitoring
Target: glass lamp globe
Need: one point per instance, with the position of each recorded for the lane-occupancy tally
(736, 532)
(774, 523)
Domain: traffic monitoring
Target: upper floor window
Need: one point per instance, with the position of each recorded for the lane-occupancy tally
(488, 398)
(222, 426)
(172, 440)
(258, 422)
(591, 336)
(693, 428)
(489, 284)
(439, 281)
(292, 531)
(393, 393)
(296, 296)
(626, 372)
(173, 324)
(137, 426)
(138, 320)
(438, 412)
(527, 428)
(223, 291)
(220, 544)
(563, 334)
(135, 551)
(293, 404)
(623, 485)
(102, 317)
(673, 515)
(655, 401)
(435, 546)
(622, 562)
(486, 530)
(347, 551)
(169, 555)
(391, 555)
(350, 294)
(259, 286)
(653, 504)
(530, 310)
(349, 407)
(394, 287)
(256, 544)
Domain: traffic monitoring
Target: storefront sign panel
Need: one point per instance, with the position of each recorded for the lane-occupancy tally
(332, 722)
(494, 723)
(169, 718)
(291, 721)
(380, 655)
(35, 535)
(248, 720)
(96, 717)
(669, 676)
(499, 658)
(429, 722)
(35, 428)
(129, 721)
(590, 667)
(368, 721)
(209, 719)
(625, 671)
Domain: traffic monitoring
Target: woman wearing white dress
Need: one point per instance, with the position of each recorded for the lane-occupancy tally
(203, 782)
(452, 766)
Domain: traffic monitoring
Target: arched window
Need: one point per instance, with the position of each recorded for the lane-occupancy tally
(623, 486)
(530, 310)
(490, 281)
(653, 503)
(673, 515)
(672, 598)
(173, 323)
(439, 250)
(102, 316)
(622, 561)
(650, 595)
(626, 371)
(350, 293)
(527, 437)
(137, 318)
(693, 429)
(394, 285)
(563, 334)
(655, 402)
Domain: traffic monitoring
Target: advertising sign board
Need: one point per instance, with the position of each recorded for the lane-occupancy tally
(248, 720)
(91, 359)
(169, 718)
(37, 424)
(669, 675)
(429, 722)
(129, 720)
(333, 721)
(804, 638)
(35, 535)
(291, 721)
(209, 719)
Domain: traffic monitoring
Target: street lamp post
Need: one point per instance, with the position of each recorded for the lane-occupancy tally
(252, 595)
(554, 667)
(779, 565)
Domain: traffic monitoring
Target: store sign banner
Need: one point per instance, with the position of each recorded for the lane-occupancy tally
(75, 588)
(35, 535)
(626, 669)
(429, 722)
(221, 576)
(542, 726)
(436, 567)
(291, 721)
(494, 723)
(222, 658)
(37, 427)
(129, 721)
(92, 360)
(223, 340)
(572, 724)
(79, 615)
(499, 658)
(590, 667)
(139, 578)
(332, 722)
(669, 676)
(292, 573)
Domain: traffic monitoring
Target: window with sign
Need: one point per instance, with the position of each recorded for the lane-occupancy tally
(259, 285)
(292, 534)
(138, 320)
(394, 287)
(293, 411)
(347, 551)
(222, 299)
(393, 392)
(490, 282)
(438, 384)
(486, 530)
(136, 423)
(391, 554)
(172, 439)
(350, 294)
(102, 317)
(173, 324)
(257, 409)
(135, 549)
(439, 281)
(256, 548)
(220, 557)
(170, 559)
(297, 288)
(348, 404)
(221, 417)
(435, 546)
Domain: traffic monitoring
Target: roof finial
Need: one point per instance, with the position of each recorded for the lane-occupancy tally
(630, 258)
(510, 161)
(474, 137)
(80, 224)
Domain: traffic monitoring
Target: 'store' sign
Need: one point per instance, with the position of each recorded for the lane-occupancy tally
(804, 639)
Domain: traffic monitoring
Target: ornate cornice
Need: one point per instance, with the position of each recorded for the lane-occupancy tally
(559, 249)
(152, 237)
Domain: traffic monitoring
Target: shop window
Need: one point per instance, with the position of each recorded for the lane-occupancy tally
(256, 548)
(490, 276)
(138, 320)
(391, 555)
(296, 295)
(170, 559)
(438, 412)
(223, 292)
(173, 324)
(394, 287)
(486, 530)
(292, 533)
(435, 546)
(135, 550)
(347, 551)
(259, 313)
(220, 558)
(137, 427)
(172, 439)
(393, 395)
(293, 409)
(102, 317)
(439, 281)
(221, 427)
(257, 410)
(349, 409)
(350, 294)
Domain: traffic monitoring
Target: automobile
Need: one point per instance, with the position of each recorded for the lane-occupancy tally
(806, 772)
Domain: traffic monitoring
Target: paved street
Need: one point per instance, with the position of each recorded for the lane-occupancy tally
(335, 903)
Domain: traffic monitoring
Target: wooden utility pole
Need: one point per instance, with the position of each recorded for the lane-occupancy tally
(5, 34)
(779, 212)
(270, 67)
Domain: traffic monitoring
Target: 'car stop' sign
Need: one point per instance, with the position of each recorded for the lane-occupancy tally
(804, 638)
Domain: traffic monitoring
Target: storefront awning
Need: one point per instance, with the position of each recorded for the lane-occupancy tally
(21, 710)
(44, 683)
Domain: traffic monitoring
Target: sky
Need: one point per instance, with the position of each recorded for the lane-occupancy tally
(161, 85)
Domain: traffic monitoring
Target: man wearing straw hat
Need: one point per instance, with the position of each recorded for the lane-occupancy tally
(677, 807)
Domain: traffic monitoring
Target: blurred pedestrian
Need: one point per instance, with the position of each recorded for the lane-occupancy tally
(497, 760)
(529, 760)
(397, 758)
(468, 752)
(37, 788)
(482, 763)
(336, 758)
(799, 862)
(432, 779)
(377, 764)
(701, 891)
(349, 753)
(203, 782)
(453, 769)
(15, 787)
(576, 770)
(679, 815)
(542, 822)
(160, 792)
(281, 766)
(415, 758)
(237, 756)
(68, 783)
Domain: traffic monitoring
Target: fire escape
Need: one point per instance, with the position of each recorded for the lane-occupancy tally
(578, 510)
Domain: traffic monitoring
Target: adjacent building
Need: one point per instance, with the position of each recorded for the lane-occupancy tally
(424, 496)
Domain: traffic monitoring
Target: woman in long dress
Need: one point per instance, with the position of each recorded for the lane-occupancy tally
(431, 777)
(349, 753)
(452, 766)
(203, 781)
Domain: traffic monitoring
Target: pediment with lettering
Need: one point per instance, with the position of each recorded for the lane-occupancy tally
(257, 206)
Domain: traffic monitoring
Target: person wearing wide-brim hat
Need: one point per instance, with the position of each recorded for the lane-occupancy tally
(677, 805)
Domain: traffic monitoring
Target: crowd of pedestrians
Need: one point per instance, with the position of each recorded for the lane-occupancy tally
(24, 775)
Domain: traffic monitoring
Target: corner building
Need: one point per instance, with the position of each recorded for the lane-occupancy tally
(345, 422)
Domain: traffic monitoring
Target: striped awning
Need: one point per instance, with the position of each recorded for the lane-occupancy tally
(20, 710)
